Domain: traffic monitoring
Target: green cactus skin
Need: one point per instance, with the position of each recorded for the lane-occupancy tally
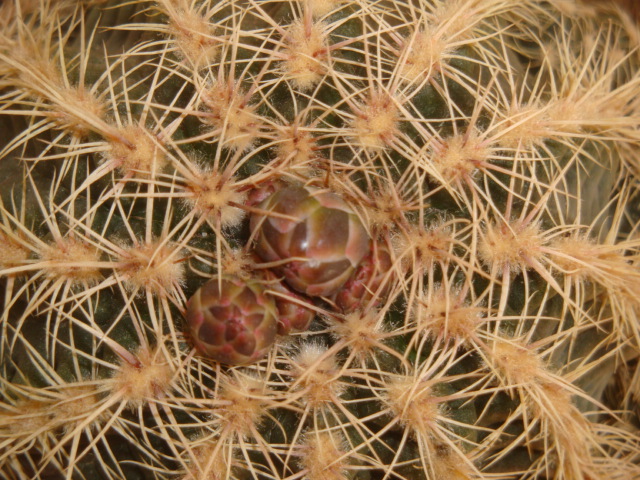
(492, 145)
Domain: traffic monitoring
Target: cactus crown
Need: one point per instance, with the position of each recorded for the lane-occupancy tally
(490, 327)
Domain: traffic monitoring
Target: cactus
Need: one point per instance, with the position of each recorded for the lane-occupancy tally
(484, 153)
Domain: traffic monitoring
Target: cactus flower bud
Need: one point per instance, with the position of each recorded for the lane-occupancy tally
(314, 234)
(293, 316)
(367, 280)
(232, 321)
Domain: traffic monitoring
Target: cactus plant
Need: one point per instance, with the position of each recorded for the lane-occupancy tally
(490, 146)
